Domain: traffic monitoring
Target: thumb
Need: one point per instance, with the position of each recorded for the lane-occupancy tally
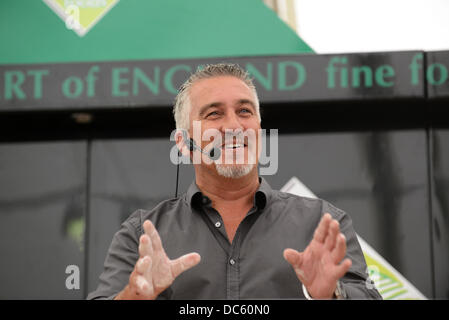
(293, 257)
(184, 263)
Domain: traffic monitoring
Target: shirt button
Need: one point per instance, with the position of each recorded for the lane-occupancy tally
(218, 224)
(232, 262)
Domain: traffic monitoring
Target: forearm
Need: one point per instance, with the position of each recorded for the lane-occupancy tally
(127, 294)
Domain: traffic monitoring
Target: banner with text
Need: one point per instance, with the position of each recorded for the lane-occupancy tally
(281, 79)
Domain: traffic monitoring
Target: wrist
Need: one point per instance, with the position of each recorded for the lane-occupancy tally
(124, 294)
(338, 293)
(128, 293)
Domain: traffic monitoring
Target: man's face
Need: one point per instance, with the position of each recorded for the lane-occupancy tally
(226, 104)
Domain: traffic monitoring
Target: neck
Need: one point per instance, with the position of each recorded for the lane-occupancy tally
(220, 189)
(232, 198)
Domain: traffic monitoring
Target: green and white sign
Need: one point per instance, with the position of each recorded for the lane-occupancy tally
(81, 15)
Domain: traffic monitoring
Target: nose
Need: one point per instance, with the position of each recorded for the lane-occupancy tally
(231, 122)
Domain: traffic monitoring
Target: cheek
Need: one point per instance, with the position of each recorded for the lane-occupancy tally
(209, 134)
(252, 128)
(250, 123)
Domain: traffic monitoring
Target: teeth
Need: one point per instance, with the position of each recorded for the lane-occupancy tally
(232, 146)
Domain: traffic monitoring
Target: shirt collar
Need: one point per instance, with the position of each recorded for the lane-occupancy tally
(262, 196)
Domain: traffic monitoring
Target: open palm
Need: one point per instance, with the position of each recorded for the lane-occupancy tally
(318, 267)
(154, 271)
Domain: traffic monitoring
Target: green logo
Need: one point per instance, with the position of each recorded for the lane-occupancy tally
(81, 15)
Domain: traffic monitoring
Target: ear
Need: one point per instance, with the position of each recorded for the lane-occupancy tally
(180, 136)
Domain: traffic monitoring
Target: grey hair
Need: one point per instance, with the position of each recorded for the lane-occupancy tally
(181, 109)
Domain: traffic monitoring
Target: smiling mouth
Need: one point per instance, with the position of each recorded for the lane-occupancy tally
(234, 146)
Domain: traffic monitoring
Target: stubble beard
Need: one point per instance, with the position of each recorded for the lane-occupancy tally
(234, 171)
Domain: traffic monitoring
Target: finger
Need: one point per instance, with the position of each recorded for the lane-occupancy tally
(148, 227)
(143, 265)
(339, 251)
(144, 286)
(322, 229)
(145, 246)
(184, 263)
(295, 259)
(151, 231)
(331, 238)
(342, 268)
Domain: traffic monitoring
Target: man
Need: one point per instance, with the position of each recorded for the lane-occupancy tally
(230, 236)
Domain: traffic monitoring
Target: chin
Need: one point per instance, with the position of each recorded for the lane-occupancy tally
(234, 171)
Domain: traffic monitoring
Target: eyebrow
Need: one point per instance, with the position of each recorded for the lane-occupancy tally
(246, 101)
(218, 104)
(208, 106)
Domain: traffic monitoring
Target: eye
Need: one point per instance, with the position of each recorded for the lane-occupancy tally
(212, 114)
(245, 111)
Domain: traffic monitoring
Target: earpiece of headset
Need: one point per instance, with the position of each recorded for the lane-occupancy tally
(213, 154)
(190, 144)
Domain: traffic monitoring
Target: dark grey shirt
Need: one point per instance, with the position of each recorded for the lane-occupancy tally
(252, 267)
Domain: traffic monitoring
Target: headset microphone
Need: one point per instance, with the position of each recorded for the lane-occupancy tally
(213, 154)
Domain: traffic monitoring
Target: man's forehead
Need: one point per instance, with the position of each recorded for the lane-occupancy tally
(211, 88)
(217, 104)
(218, 82)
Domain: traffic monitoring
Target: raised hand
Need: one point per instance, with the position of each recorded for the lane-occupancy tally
(154, 271)
(320, 265)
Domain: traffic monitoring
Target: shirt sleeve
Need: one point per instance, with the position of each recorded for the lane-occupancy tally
(356, 283)
(120, 260)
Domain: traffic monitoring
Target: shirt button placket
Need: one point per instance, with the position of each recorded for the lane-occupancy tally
(233, 279)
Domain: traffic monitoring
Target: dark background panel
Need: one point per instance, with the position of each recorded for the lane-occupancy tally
(380, 179)
(42, 218)
(440, 210)
(126, 175)
(186, 177)
(437, 74)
